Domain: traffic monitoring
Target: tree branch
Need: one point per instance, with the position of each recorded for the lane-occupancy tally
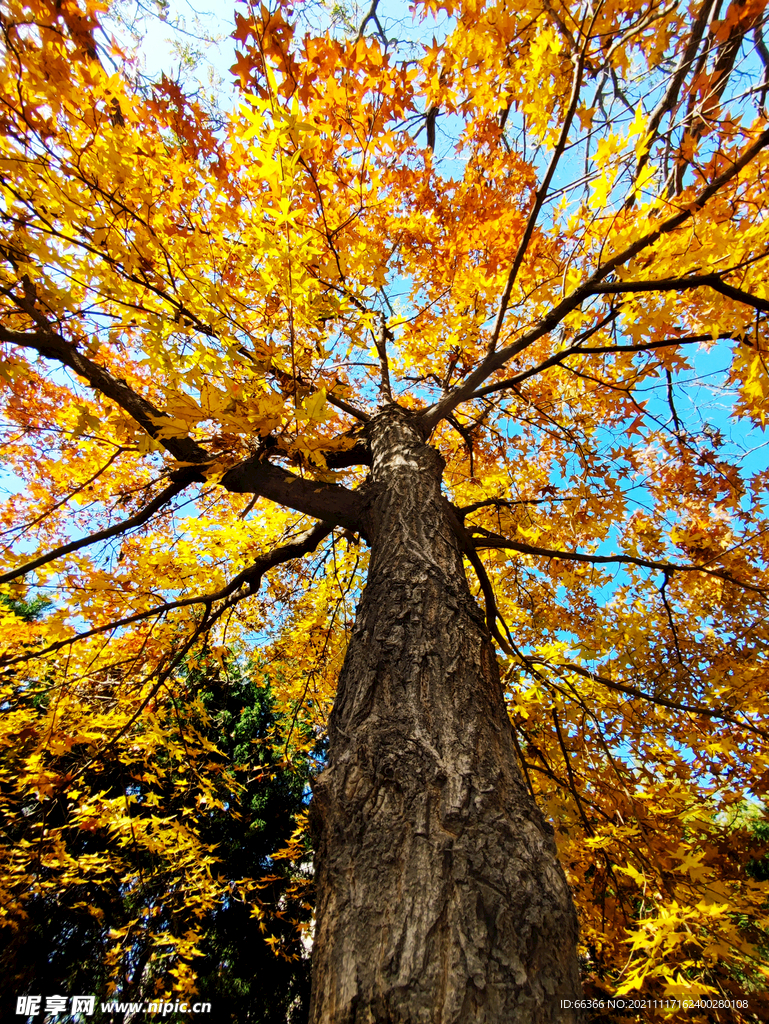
(577, 350)
(466, 510)
(333, 504)
(332, 399)
(494, 361)
(670, 98)
(340, 403)
(305, 543)
(322, 501)
(380, 340)
(372, 16)
(683, 284)
(541, 194)
(572, 782)
(632, 691)
(494, 541)
(243, 585)
(492, 612)
(182, 481)
(49, 344)
(467, 437)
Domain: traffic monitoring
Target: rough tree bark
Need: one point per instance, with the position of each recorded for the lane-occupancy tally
(440, 896)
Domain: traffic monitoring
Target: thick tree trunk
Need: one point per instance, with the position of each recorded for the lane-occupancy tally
(440, 897)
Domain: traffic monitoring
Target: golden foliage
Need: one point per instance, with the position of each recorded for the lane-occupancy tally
(549, 227)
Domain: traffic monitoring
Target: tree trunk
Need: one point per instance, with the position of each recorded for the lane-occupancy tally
(440, 896)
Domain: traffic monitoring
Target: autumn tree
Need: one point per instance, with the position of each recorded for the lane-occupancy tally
(120, 907)
(463, 321)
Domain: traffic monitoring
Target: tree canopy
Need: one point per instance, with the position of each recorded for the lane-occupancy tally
(540, 227)
(125, 907)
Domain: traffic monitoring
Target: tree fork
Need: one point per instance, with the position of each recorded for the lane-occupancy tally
(440, 899)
